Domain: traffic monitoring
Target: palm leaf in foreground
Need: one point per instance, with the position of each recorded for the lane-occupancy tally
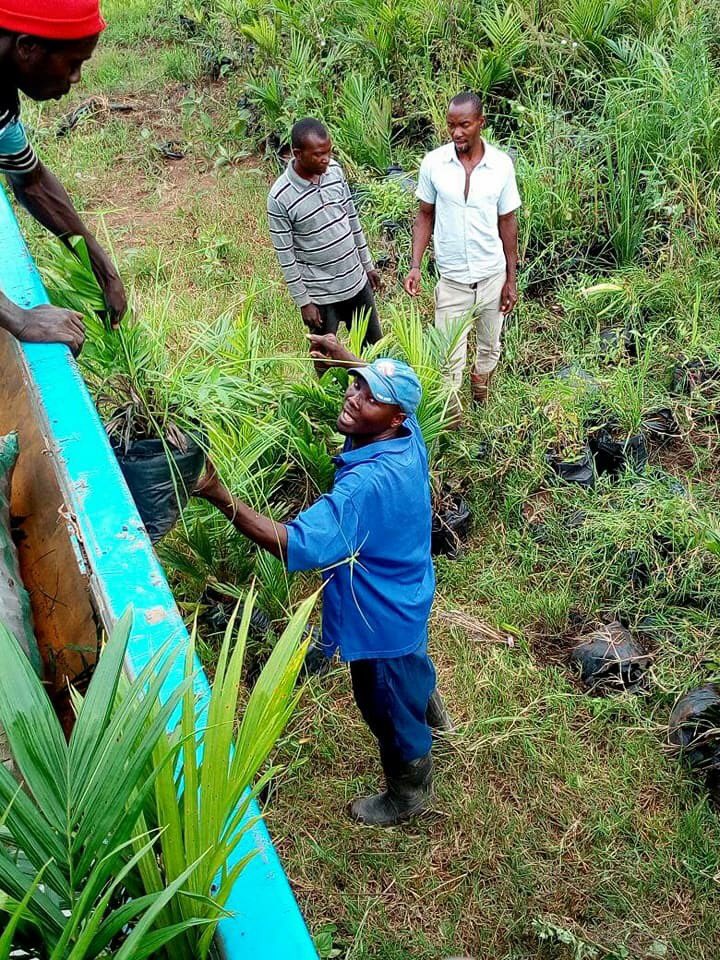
(203, 808)
(76, 820)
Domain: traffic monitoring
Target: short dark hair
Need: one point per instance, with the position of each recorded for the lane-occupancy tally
(305, 128)
(467, 96)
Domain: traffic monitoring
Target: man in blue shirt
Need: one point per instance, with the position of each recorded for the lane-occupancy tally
(370, 536)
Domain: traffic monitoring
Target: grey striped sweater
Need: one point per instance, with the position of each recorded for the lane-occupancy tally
(317, 236)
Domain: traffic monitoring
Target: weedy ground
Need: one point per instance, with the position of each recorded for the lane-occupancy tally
(560, 827)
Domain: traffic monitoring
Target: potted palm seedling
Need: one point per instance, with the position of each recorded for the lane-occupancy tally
(618, 439)
(160, 400)
(565, 405)
(698, 378)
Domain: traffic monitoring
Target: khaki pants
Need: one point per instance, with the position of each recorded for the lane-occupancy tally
(482, 302)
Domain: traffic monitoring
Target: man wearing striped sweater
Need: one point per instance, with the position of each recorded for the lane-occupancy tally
(318, 239)
(43, 46)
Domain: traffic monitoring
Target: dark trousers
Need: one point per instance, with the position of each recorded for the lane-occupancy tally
(392, 695)
(347, 311)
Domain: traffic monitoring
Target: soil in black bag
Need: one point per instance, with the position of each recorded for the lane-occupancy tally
(391, 228)
(609, 661)
(450, 526)
(691, 375)
(575, 375)
(613, 456)
(578, 470)
(660, 427)
(159, 487)
(694, 730)
(617, 342)
(218, 610)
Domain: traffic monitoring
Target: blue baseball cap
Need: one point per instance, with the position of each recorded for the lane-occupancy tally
(392, 381)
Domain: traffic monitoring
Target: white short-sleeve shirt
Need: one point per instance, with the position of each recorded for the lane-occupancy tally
(466, 239)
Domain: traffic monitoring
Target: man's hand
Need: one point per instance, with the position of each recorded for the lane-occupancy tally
(209, 486)
(115, 296)
(47, 324)
(263, 531)
(508, 297)
(311, 316)
(413, 282)
(43, 196)
(328, 347)
(374, 278)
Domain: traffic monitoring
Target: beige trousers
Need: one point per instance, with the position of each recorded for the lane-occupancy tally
(482, 302)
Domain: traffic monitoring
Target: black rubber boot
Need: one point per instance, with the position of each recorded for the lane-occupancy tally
(409, 788)
(316, 664)
(437, 717)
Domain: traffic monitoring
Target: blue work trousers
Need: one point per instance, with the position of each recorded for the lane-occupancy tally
(392, 695)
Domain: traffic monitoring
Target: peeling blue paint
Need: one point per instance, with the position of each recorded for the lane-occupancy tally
(267, 923)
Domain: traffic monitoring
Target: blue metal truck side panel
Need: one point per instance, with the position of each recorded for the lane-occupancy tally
(124, 571)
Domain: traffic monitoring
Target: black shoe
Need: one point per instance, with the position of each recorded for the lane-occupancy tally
(409, 789)
(437, 717)
(317, 663)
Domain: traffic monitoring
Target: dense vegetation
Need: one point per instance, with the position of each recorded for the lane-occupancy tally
(562, 828)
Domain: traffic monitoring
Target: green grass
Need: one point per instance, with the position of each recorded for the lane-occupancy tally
(554, 812)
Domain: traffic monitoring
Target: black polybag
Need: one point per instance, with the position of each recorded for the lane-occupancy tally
(694, 728)
(450, 526)
(613, 456)
(160, 488)
(609, 660)
(579, 470)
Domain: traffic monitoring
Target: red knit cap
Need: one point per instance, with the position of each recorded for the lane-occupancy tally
(52, 19)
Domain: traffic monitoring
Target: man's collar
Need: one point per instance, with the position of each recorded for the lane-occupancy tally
(486, 161)
(295, 178)
(300, 182)
(371, 451)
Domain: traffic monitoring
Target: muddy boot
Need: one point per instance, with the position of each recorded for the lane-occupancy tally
(409, 788)
(438, 719)
(480, 386)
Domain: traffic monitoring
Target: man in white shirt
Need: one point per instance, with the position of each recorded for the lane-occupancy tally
(468, 198)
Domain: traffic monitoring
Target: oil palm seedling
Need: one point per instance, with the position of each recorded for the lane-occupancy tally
(387, 205)
(495, 64)
(201, 804)
(160, 406)
(127, 837)
(429, 352)
(66, 851)
(627, 194)
(611, 109)
(566, 406)
(631, 412)
(592, 22)
(363, 123)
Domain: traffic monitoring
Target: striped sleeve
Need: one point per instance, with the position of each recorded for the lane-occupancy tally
(357, 230)
(282, 240)
(16, 153)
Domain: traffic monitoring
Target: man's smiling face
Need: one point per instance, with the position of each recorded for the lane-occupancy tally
(364, 416)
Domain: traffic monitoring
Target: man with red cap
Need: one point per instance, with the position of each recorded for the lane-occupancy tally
(43, 46)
